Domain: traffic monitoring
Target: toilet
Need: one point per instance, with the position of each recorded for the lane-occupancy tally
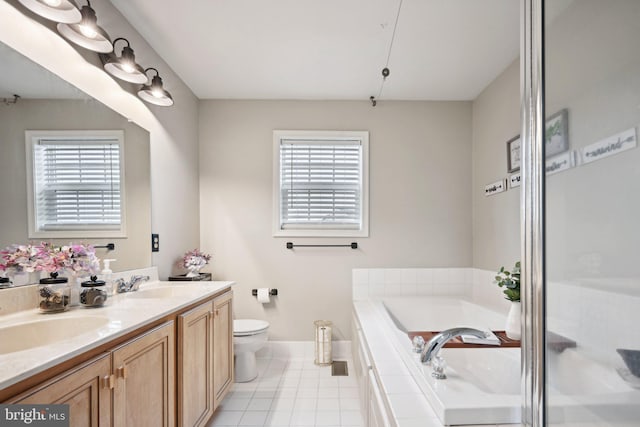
(249, 336)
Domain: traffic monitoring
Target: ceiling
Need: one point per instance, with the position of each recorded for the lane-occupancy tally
(331, 49)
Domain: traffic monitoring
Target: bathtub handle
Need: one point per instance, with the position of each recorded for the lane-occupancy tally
(418, 344)
(439, 365)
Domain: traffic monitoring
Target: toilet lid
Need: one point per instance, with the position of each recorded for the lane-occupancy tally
(243, 327)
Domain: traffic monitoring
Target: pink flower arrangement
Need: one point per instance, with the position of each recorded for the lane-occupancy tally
(194, 260)
(78, 259)
(48, 258)
(24, 258)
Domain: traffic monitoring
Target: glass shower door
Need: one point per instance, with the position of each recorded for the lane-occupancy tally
(592, 212)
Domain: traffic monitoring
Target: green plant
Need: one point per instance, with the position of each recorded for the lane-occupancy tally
(510, 280)
(553, 130)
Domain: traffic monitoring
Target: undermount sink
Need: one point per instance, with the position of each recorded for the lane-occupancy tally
(29, 335)
(163, 292)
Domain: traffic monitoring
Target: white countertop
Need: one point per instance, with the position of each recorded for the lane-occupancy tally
(123, 312)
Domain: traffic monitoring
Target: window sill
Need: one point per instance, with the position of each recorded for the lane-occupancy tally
(320, 233)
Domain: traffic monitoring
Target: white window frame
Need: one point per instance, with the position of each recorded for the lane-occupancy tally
(321, 230)
(32, 138)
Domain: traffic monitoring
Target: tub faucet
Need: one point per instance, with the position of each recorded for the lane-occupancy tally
(433, 346)
(133, 284)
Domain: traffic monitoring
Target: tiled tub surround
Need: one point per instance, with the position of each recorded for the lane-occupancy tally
(123, 313)
(380, 282)
(585, 375)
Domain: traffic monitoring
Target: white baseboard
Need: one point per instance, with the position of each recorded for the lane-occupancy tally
(303, 350)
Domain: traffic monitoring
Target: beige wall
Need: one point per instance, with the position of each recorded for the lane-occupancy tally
(496, 219)
(132, 252)
(593, 70)
(591, 229)
(173, 131)
(420, 203)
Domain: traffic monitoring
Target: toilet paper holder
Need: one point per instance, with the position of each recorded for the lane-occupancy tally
(272, 292)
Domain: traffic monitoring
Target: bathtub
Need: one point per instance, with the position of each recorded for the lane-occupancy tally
(483, 384)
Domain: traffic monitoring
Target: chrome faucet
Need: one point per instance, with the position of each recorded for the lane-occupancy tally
(133, 284)
(433, 346)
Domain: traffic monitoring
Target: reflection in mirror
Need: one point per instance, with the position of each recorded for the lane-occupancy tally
(47, 103)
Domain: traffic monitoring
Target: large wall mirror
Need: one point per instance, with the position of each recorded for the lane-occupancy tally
(48, 103)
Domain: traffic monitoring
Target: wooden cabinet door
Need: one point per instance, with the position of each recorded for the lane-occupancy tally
(222, 346)
(195, 366)
(144, 393)
(86, 389)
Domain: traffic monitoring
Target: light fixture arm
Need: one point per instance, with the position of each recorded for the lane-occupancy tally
(151, 68)
(120, 38)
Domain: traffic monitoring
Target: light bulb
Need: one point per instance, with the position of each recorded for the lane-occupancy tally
(88, 31)
(157, 92)
(127, 67)
(53, 3)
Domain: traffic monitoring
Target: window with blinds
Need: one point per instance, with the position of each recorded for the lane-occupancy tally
(321, 185)
(77, 184)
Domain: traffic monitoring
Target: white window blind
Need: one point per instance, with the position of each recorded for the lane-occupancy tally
(321, 183)
(77, 184)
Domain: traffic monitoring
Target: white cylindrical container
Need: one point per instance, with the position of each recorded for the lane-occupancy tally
(323, 342)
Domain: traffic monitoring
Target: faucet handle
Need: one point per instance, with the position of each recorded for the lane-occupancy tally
(439, 365)
(418, 344)
(121, 286)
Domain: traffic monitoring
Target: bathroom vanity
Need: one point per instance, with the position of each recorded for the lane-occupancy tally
(162, 356)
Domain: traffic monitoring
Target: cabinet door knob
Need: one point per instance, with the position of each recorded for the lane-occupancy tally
(217, 312)
(108, 381)
(122, 372)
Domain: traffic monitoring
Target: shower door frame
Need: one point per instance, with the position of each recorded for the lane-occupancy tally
(532, 215)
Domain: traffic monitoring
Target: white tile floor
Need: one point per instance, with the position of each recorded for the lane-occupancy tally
(292, 393)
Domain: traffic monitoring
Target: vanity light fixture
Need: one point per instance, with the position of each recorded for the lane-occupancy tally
(124, 66)
(65, 11)
(87, 33)
(155, 93)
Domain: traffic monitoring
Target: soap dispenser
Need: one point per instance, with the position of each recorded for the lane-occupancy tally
(107, 276)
